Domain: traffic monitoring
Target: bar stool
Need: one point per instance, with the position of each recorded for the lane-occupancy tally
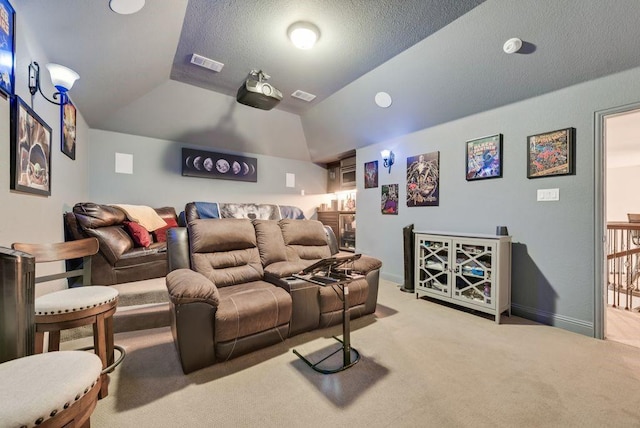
(77, 306)
(55, 389)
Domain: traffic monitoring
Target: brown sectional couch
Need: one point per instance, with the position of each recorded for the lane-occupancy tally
(231, 289)
(119, 259)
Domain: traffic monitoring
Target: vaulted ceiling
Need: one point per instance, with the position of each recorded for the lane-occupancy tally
(440, 60)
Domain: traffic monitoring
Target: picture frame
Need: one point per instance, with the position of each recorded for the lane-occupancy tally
(68, 129)
(484, 158)
(423, 180)
(7, 47)
(30, 150)
(205, 164)
(389, 199)
(371, 174)
(551, 153)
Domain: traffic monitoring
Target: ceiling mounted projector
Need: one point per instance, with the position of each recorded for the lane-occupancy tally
(255, 92)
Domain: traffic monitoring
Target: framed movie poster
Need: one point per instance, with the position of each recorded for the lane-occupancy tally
(423, 180)
(484, 158)
(7, 47)
(371, 174)
(551, 153)
(30, 150)
(68, 127)
(389, 199)
(200, 163)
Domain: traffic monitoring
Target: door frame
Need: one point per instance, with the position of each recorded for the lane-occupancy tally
(600, 235)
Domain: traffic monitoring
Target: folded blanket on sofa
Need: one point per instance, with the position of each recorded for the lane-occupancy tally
(146, 216)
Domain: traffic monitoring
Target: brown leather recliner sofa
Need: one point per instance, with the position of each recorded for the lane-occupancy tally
(119, 259)
(231, 289)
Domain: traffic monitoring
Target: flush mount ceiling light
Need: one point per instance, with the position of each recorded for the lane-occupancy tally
(303, 35)
(126, 7)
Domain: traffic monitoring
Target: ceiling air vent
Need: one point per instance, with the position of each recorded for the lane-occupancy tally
(306, 96)
(206, 62)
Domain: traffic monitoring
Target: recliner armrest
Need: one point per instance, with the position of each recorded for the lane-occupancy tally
(364, 264)
(187, 286)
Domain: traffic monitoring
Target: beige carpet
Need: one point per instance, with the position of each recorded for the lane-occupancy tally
(423, 365)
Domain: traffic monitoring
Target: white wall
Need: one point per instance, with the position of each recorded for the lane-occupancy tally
(553, 251)
(623, 197)
(30, 218)
(157, 177)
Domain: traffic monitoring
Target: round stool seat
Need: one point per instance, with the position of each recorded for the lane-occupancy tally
(74, 299)
(36, 388)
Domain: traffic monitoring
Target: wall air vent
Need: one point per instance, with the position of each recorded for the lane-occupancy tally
(306, 96)
(206, 62)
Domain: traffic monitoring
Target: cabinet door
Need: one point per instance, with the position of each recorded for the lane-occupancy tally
(347, 232)
(433, 264)
(333, 178)
(473, 269)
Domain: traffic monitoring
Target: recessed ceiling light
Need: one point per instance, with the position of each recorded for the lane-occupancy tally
(303, 35)
(126, 7)
(383, 99)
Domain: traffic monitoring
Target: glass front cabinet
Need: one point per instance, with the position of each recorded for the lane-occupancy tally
(473, 271)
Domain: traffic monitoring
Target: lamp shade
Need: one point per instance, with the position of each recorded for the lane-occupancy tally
(62, 77)
(385, 154)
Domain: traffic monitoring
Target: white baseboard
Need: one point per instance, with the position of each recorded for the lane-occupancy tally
(567, 323)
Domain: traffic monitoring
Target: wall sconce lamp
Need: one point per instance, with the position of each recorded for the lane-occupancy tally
(388, 158)
(62, 78)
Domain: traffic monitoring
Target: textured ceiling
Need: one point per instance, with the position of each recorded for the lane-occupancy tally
(439, 59)
(356, 37)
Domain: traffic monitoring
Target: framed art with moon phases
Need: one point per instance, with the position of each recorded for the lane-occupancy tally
(200, 163)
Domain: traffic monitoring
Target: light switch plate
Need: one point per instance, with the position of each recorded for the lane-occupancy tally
(548, 195)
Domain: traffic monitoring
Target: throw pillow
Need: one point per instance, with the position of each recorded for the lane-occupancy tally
(139, 234)
(160, 235)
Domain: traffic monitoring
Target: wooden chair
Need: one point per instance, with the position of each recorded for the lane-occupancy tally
(76, 306)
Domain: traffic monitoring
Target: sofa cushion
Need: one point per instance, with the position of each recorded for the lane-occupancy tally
(304, 239)
(249, 308)
(114, 241)
(211, 235)
(160, 235)
(270, 242)
(303, 232)
(140, 255)
(224, 250)
(139, 235)
(284, 269)
(90, 215)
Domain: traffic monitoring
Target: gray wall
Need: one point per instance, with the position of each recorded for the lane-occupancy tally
(157, 177)
(30, 218)
(553, 242)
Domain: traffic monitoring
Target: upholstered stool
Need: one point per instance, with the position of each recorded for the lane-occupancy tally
(75, 307)
(54, 389)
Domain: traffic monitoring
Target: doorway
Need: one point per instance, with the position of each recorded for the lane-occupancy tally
(618, 293)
